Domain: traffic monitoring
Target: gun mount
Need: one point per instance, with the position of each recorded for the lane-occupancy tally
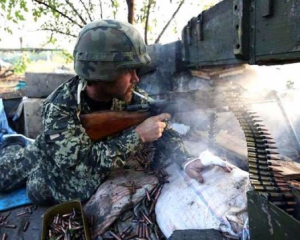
(261, 32)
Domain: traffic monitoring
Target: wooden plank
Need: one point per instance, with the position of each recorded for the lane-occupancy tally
(220, 72)
(290, 169)
(234, 148)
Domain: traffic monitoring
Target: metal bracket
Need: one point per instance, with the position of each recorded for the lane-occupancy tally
(267, 9)
(189, 32)
(185, 52)
(241, 28)
(200, 27)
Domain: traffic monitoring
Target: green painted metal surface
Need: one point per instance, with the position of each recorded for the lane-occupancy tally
(243, 31)
(277, 35)
(267, 221)
(208, 39)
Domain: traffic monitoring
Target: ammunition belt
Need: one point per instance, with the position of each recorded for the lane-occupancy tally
(211, 129)
(264, 178)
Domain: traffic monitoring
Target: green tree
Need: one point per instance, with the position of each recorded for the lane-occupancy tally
(67, 17)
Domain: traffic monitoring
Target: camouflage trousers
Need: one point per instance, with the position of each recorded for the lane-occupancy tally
(48, 183)
(17, 171)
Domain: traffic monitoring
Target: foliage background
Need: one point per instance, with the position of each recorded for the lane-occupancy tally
(37, 23)
(55, 24)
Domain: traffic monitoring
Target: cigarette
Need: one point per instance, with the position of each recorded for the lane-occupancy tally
(141, 96)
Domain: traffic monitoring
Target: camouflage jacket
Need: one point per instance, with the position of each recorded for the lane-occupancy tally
(74, 165)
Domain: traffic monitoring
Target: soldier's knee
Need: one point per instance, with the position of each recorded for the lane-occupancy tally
(2, 186)
(38, 195)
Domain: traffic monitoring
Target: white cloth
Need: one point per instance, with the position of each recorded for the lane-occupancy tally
(219, 203)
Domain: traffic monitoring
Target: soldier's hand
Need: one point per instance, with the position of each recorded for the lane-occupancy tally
(152, 128)
(194, 167)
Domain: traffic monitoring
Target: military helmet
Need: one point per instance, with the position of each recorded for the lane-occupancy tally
(105, 46)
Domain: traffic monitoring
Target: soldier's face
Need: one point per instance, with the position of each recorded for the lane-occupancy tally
(123, 85)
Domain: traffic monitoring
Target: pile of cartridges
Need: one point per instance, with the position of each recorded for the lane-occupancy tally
(141, 222)
(66, 226)
(5, 223)
(266, 180)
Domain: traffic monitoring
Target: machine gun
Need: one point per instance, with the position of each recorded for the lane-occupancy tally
(99, 125)
(256, 32)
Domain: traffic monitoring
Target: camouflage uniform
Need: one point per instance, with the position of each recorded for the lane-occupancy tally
(63, 163)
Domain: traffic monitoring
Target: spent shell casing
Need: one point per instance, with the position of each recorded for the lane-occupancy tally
(10, 226)
(4, 236)
(25, 227)
(6, 216)
(144, 226)
(140, 230)
(152, 207)
(131, 236)
(67, 215)
(115, 235)
(147, 234)
(21, 213)
(147, 219)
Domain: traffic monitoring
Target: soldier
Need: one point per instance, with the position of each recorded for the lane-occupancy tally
(63, 163)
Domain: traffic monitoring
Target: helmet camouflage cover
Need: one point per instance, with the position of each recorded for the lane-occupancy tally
(105, 46)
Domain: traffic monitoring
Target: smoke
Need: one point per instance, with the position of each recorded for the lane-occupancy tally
(280, 87)
(259, 85)
(203, 93)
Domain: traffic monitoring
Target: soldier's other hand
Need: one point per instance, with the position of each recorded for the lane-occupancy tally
(152, 128)
(194, 167)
